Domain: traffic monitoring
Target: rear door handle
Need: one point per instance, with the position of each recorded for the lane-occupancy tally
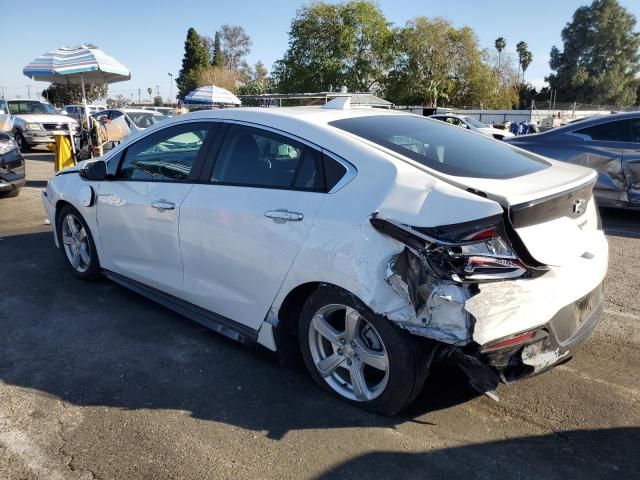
(163, 205)
(284, 216)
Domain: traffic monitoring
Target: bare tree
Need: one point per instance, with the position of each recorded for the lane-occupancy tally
(235, 45)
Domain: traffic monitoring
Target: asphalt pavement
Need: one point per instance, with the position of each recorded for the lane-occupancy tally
(98, 382)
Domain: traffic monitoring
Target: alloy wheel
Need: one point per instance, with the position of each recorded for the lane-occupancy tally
(348, 352)
(76, 243)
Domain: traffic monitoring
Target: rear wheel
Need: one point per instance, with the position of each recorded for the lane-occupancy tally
(358, 355)
(77, 245)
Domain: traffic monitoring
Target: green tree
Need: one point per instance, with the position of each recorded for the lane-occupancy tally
(65, 94)
(217, 57)
(600, 59)
(195, 59)
(157, 101)
(500, 45)
(331, 45)
(260, 72)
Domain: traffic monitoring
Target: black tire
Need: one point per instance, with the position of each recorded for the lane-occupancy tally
(23, 146)
(87, 270)
(13, 193)
(408, 360)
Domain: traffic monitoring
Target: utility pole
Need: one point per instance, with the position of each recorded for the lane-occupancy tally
(28, 91)
(2, 88)
(157, 90)
(170, 88)
(139, 90)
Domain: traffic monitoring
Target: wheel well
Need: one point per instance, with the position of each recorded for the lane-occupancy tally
(59, 206)
(286, 332)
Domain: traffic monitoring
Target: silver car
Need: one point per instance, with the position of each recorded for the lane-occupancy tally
(609, 144)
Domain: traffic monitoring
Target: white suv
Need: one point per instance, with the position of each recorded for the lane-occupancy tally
(32, 121)
(374, 242)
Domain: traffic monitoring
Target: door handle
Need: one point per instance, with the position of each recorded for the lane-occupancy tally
(163, 205)
(281, 216)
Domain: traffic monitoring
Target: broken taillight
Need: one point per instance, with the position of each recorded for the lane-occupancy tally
(473, 252)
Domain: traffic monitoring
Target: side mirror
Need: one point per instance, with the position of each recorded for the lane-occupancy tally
(95, 170)
(2, 112)
(64, 112)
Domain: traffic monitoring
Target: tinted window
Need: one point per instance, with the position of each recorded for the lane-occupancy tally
(254, 157)
(167, 155)
(611, 131)
(442, 148)
(333, 172)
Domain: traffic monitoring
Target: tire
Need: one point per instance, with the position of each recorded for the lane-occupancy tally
(357, 344)
(23, 146)
(13, 193)
(77, 245)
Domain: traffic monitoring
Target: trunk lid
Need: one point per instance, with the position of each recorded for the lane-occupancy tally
(552, 210)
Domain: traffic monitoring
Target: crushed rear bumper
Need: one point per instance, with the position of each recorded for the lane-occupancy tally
(554, 343)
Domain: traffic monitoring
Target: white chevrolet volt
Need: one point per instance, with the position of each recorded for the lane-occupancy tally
(376, 243)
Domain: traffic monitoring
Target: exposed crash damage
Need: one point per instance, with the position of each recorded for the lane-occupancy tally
(466, 287)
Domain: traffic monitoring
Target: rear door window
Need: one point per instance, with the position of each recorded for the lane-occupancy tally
(260, 158)
(447, 150)
(608, 132)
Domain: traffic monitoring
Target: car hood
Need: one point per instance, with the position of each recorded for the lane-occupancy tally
(45, 118)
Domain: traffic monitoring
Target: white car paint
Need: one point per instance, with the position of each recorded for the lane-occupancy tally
(218, 251)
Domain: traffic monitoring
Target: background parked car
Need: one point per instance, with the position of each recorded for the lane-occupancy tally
(166, 111)
(137, 119)
(32, 120)
(473, 124)
(12, 174)
(77, 111)
(610, 144)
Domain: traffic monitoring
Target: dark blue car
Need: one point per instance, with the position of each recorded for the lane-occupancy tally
(12, 174)
(609, 144)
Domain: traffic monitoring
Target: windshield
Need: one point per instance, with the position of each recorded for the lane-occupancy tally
(452, 151)
(143, 119)
(474, 123)
(25, 107)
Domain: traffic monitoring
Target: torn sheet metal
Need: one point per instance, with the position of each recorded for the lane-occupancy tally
(438, 306)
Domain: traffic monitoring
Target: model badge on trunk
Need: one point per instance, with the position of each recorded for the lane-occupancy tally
(579, 206)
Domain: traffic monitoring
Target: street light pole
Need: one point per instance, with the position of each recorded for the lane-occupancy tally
(170, 88)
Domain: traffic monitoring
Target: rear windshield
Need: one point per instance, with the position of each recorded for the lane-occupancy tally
(447, 149)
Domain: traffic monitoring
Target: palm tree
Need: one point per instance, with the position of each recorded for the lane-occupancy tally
(500, 44)
(525, 61)
(522, 48)
(149, 91)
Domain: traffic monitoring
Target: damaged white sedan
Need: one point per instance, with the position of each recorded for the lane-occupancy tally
(374, 242)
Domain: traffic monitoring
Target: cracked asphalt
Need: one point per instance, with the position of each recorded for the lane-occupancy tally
(97, 382)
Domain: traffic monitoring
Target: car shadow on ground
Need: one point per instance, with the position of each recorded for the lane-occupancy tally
(39, 154)
(97, 343)
(620, 222)
(581, 454)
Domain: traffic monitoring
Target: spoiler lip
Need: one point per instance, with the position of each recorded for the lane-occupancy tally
(551, 207)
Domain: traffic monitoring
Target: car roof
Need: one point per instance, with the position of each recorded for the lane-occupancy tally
(134, 110)
(595, 120)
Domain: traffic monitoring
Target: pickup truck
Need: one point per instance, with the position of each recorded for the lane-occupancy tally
(31, 121)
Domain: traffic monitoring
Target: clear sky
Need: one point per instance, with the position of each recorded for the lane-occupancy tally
(148, 36)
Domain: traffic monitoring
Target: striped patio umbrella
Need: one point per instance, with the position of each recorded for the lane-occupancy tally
(77, 64)
(211, 95)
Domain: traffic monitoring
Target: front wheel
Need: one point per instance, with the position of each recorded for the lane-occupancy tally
(23, 146)
(359, 356)
(77, 245)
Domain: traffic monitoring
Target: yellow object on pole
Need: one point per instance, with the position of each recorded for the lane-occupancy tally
(64, 155)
